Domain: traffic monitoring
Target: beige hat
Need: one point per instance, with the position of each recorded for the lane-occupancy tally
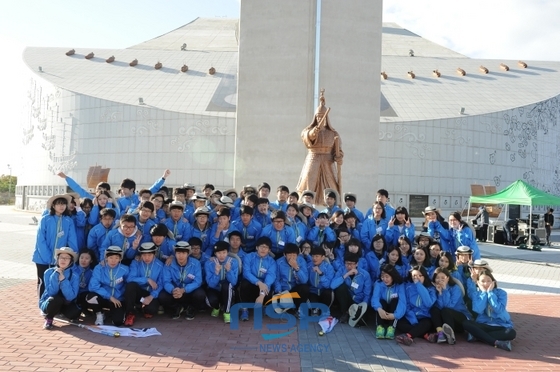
(66, 250)
(51, 200)
(231, 191)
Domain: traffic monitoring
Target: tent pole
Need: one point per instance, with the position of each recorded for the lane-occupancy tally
(530, 245)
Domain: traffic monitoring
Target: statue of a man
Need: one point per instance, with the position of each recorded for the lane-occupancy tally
(322, 167)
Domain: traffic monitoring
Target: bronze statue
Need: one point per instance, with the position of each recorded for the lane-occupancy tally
(322, 167)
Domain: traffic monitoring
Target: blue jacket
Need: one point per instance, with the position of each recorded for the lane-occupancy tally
(108, 282)
(374, 266)
(202, 235)
(452, 298)
(80, 221)
(419, 301)
(96, 237)
(166, 249)
(53, 232)
(128, 204)
(215, 280)
(68, 287)
(338, 263)
(93, 218)
(359, 286)
(319, 282)
(202, 259)
(140, 272)
(188, 277)
(330, 211)
(250, 234)
(181, 230)
(222, 237)
(262, 269)
(370, 228)
(84, 277)
(286, 277)
(116, 237)
(382, 292)
(276, 205)
(300, 230)
(490, 306)
(357, 212)
(145, 228)
(393, 234)
(279, 238)
(263, 219)
(318, 236)
(389, 212)
(452, 239)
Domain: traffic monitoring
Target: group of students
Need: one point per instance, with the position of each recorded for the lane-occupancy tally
(210, 250)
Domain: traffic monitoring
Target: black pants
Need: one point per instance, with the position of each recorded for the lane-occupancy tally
(132, 295)
(548, 229)
(487, 333)
(326, 297)
(223, 298)
(59, 305)
(417, 330)
(343, 298)
(196, 299)
(449, 316)
(303, 291)
(248, 292)
(40, 278)
(390, 308)
(98, 303)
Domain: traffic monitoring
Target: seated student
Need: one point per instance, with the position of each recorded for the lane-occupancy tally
(61, 288)
(388, 301)
(178, 225)
(107, 286)
(449, 311)
(493, 324)
(292, 275)
(377, 252)
(282, 193)
(435, 250)
(145, 220)
(351, 285)
(262, 213)
(145, 282)
(308, 214)
(157, 200)
(394, 257)
(421, 257)
(259, 275)
(305, 250)
(55, 230)
(87, 261)
(445, 261)
(321, 232)
(376, 224)
(350, 200)
(235, 239)
(197, 254)
(182, 281)
(421, 296)
(201, 227)
(249, 228)
(222, 273)
(300, 229)
(464, 258)
(198, 200)
(221, 229)
(337, 220)
(163, 243)
(398, 226)
(382, 196)
(278, 233)
(126, 236)
(99, 232)
(353, 246)
(103, 200)
(352, 224)
(343, 238)
(321, 274)
(332, 199)
(405, 246)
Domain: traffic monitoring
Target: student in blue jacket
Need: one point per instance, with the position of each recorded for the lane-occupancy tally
(421, 257)
(445, 261)
(222, 273)
(107, 286)
(299, 228)
(394, 257)
(493, 324)
(292, 275)
(376, 224)
(376, 253)
(351, 285)
(278, 233)
(321, 232)
(450, 310)
(101, 201)
(388, 301)
(420, 296)
(321, 274)
(99, 232)
(145, 282)
(87, 261)
(352, 224)
(161, 237)
(201, 228)
(182, 284)
(55, 230)
(176, 223)
(61, 288)
(221, 228)
(398, 226)
(259, 276)
(249, 228)
(127, 237)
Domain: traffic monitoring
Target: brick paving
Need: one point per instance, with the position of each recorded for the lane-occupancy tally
(531, 278)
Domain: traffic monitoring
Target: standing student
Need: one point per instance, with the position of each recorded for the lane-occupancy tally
(222, 273)
(398, 226)
(388, 301)
(176, 223)
(201, 227)
(55, 230)
(278, 233)
(548, 224)
(493, 324)
(107, 287)
(249, 228)
(61, 288)
(375, 224)
(100, 231)
(350, 200)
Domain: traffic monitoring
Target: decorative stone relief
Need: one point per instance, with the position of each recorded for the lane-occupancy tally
(147, 125)
(454, 134)
(415, 141)
(111, 116)
(200, 128)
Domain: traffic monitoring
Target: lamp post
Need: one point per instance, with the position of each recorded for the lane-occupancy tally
(9, 184)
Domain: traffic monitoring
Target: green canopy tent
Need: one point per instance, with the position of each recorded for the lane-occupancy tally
(521, 193)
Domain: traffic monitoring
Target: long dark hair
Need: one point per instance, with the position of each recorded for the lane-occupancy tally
(401, 210)
(66, 211)
(427, 280)
(392, 272)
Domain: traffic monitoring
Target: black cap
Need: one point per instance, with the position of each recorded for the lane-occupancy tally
(221, 246)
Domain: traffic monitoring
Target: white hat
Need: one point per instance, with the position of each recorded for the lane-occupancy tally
(51, 200)
(66, 250)
(356, 312)
(284, 298)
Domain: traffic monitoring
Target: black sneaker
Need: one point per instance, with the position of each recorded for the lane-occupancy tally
(177, 313)
(190, 313)
(504, 345)
(344, 318)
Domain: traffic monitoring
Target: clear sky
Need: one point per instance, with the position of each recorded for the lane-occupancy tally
(508, 29)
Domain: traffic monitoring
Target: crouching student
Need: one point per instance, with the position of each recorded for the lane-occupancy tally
(107, 287)
(61, 288)
(222, 273)
(145, 282)
(292, 275)
(388, 301)
(321, 274)
(450, 310)
(493, 324)
(160, 237)
(259, 275)
(351, 285)
(182, 284)
(84, 270)
(420, 296)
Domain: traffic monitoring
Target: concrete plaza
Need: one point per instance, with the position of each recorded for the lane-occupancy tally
(206, 344)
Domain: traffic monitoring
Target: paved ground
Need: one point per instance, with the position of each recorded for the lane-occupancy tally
(531, 278)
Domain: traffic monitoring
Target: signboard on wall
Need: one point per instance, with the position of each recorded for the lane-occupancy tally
(417, 204)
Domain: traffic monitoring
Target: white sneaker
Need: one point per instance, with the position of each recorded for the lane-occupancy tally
(99, 319)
